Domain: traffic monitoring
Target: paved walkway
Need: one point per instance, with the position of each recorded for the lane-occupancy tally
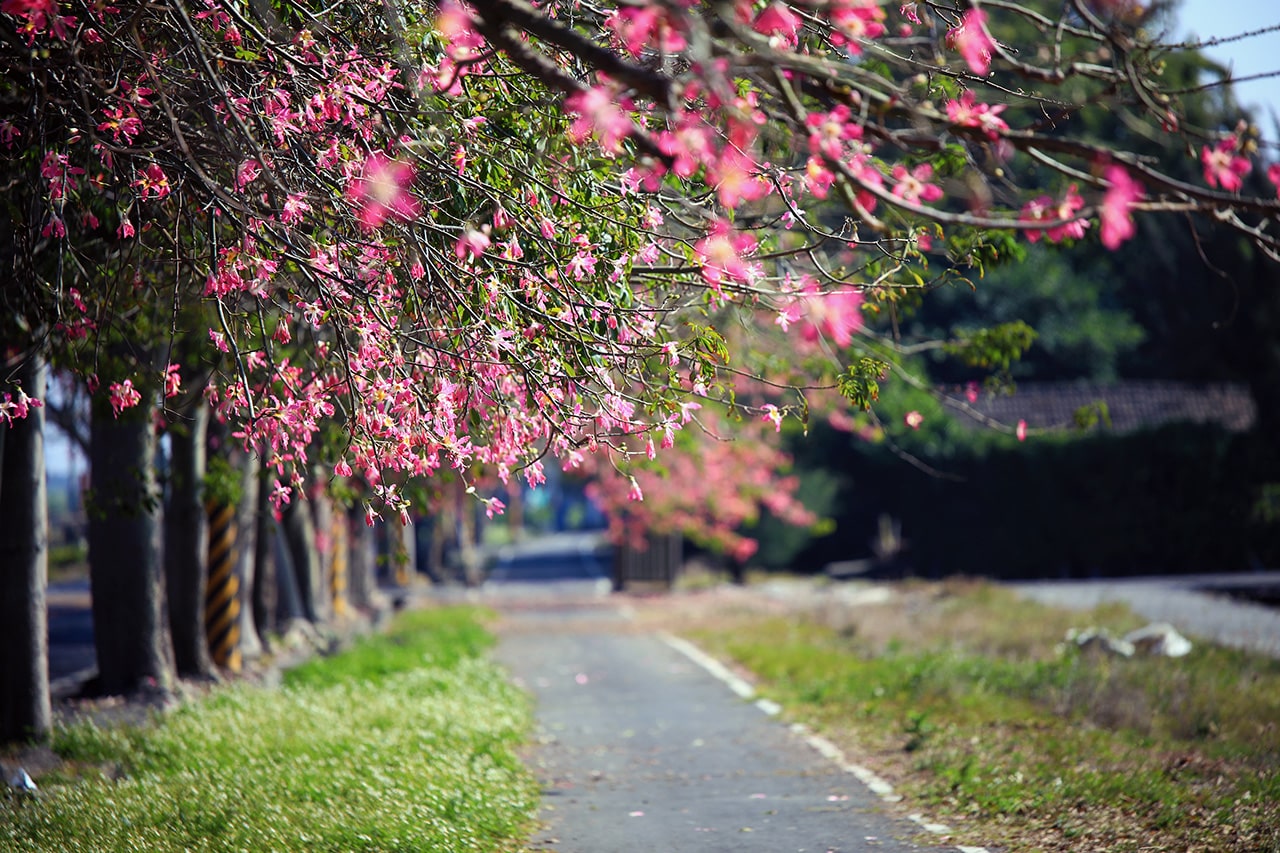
(641, 749)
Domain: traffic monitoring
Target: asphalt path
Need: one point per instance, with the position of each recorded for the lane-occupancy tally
(641, 749)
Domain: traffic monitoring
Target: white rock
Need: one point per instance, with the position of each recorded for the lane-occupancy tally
(1159, 639)
(20, 780)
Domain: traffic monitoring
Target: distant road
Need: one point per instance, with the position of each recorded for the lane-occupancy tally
(71, 651)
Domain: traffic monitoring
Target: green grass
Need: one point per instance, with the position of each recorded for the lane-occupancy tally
(403, 743)
(977, 714)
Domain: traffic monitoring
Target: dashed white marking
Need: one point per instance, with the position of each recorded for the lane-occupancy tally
(824, 747)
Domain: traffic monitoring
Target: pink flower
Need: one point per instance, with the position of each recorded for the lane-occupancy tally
(342, 469)
(912, 185)
(492, 507)
(1223, 166)
(1273, 172)
(172, 382)
(472, 243)
(247, 173)
(777, 20)
(855, 20)
(460, 160)
(595, 113)
(152, 181)
(973, 42)
(966, 113)
(908, 11)
(773, 415)
(582, 265)
(828, 132)
(721, 253)
(971, 390)
(219, 340)
(1021, 431)
(1044, 209)
(913, 419)
(634, 492)
(1117, 221)
(381, 191)
(123, 396)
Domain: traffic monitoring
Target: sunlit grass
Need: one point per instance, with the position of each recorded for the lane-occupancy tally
(966, 696)
(404, 743)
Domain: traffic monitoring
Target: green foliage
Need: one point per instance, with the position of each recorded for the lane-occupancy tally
(996, 347)
(404, 744)
(860, 384)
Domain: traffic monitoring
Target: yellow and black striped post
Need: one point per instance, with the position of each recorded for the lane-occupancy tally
(338, 565)
(222, 592)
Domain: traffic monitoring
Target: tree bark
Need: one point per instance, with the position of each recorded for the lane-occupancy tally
(124, 553)
(247, 551)
(186, 543)
(300, 536)
(265, 592)
(361, 565)
(25, 711)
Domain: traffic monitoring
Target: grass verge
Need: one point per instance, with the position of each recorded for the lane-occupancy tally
(403, 743)
(965, 696)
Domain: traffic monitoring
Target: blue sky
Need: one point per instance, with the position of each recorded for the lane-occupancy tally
(1259, 54)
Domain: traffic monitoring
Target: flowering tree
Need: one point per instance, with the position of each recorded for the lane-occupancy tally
(473, 235)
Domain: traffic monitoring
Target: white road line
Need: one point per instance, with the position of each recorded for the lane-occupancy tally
(824, 747)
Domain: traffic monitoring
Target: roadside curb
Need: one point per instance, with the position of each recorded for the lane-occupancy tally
(822, 745)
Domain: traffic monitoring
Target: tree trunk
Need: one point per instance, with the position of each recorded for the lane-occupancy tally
(265, 592)
(24, 679)
(186, 543)
(124, 553)
(361, 564)
(247, 550)
(300, 535)
(322, 520)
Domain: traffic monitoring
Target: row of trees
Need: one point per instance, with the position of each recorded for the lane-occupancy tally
(445, 242)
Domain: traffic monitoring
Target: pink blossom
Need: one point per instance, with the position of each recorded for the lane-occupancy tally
(912, 185)
(973, 42)
(381, 191)
(772, 414)
(219, 341)
(1045, 209)
(634, 492)
(1117, 221)
(152, 181)
(967, 113)
(908, 11)
(913, 419)
(172, 382)
(247, 173)
(492, 507)
(460, 160)
(1223, 166)
(1021, 431)
(15, 410)
(855, 20)
(123, 396)
(721, 254)
(638, 27)
(777, 20)
(582, 265)
(971, 390)
(828, 132)
(472, 243)
(1273, 172)
(595, 113)
(342, 469)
